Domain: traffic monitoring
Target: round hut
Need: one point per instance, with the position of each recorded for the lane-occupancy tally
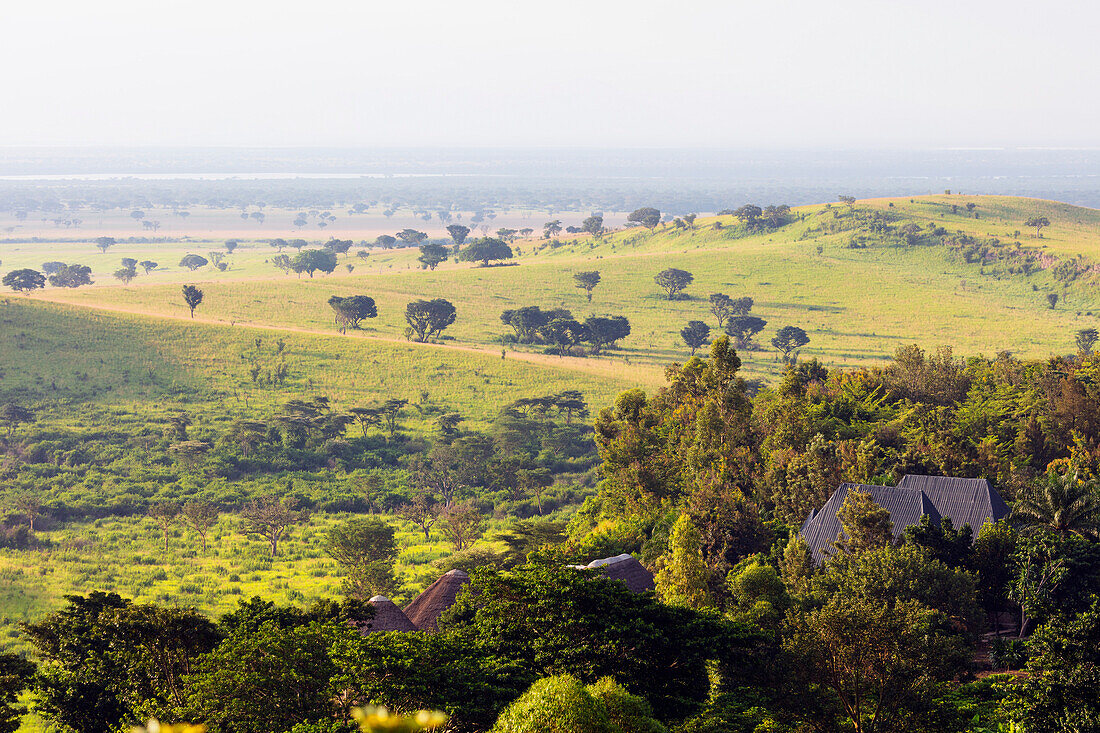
(387, 617)
(427, 607)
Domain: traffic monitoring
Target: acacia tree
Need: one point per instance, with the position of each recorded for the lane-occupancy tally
(788, 340)
(193, 262)
(673, 281)
(485, 249)
(71, 276)
(271, 519)
(192, 296)
(411, 237)
(165, 514)
(593, 225)
(105, 243)
(148, 266)
(1038, 223)
(125, 274)
(587, 281)
(551, 229)
(462, 524)
(352, 309)
(24, 281)
(367, 551)
(645, 216)
(695, 335)
(312, 260)
(29, 505)
(201, 516)
(602, 330)
(458, 234)
(428, 318)
(422, 511)
(565, 333)
(431, 255)
(1086, 340)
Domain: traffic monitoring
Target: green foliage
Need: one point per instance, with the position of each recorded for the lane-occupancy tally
(553, 620)
(428, 318)
(559, 704)
(682, 579)
(310, 261)
(673, 281)
(367, 551)
(485, 250)
(864, 524)
(24, 281)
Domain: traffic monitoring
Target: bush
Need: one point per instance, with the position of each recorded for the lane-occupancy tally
(555, 705)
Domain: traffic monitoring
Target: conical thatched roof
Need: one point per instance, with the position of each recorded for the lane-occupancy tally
(626, 568)
(387, 617)
(426, 608)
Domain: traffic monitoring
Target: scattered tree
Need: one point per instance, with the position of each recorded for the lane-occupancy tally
(148, 266)
(594, 225)
(428, 318)
(271, 519)
(673, 281)
(587, 281)
(431, 254)
(458, 234)
(201, 516)
(312, 260)
(1052, 300)
(193, 262)
(1086, 340)
(1038, 222)
(24, 281)
(71, 276)
(125, 274)
(104, 243)
(695, 335)
(166, 514)
(367, 551)
(788, 340)
(646, 216)
(352, 309)
(743, 329)
(192, 296)
(484, 250)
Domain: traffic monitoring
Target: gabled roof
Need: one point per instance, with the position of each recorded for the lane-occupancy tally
(906, 507)
(971, 501)
(426, 608)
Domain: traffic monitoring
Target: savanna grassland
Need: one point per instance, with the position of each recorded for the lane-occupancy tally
(105, 368)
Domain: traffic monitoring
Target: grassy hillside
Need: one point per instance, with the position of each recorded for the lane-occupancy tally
(857, 291)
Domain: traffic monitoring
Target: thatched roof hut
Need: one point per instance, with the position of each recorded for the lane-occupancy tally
(427, 607)
(626, 568)
(387, 617)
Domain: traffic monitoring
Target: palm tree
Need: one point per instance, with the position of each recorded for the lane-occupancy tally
(1064, 504)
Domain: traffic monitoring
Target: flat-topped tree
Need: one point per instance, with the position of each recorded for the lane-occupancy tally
(314, 260)
(339, 246)
(71, 276)
(105, 243)
(351, 310)
(385, 241)
(125, 275)
(587, 281)
(192, 296)
(428, 318)
(673, 281)
(193, 262)
(1086, 340)
(411, 237)
(484, 250)
(272, 520)
(458, 234)
(551, 229)
(564, 333)
(51, 267)
(166, 514)
(646, 216)
(695, 335)
(603, 330)
(743, 328)
(1038, 222)
(148, 266)
(432, 254)
(24, 281)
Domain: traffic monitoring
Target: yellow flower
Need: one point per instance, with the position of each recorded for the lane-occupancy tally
(377, 719)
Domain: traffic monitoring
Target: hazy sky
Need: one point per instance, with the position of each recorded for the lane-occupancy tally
(561, 73)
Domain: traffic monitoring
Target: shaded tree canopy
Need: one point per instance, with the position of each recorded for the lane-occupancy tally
(428, 318)
(646, 216)
(484, 250)
(313, 260)
(24, 281)
(193, 262)
(673, 281)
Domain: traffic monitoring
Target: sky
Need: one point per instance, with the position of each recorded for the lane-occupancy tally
(594, 74)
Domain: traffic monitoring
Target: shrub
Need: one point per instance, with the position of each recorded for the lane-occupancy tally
(555, 705)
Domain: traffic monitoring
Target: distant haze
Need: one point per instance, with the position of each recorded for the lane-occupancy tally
(774, 74)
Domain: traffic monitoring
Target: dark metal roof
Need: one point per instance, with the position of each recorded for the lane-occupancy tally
(906, 507)
(971, 501)
(964, 500)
